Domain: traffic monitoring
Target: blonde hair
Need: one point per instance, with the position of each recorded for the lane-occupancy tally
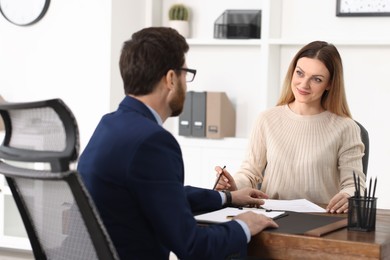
(334, 100)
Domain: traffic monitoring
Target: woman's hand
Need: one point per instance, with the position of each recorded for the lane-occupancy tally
(226, 181)
(338, 204)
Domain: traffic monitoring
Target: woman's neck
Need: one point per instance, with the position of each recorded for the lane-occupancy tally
(305, 109)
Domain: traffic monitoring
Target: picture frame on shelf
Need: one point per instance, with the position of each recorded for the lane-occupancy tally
(368, 8)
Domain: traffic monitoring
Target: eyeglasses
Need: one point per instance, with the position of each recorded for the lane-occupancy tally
(190, 74)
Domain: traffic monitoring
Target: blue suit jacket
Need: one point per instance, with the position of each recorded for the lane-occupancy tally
(134, 170)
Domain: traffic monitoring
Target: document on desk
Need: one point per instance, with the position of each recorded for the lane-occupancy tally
(226, 214)
(297, 205)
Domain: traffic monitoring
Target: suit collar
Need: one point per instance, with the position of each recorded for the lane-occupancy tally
(130, 103)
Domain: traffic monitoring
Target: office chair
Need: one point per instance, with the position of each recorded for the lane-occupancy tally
(366, 142)
(41, 141)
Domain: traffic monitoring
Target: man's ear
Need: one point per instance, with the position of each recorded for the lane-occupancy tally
(170, 79)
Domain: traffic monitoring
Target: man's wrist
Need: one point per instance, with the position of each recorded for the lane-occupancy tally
(245, 229)
(228, 198)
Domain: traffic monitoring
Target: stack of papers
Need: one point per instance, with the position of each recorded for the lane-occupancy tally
(226, 214)
(298, 205)
(272, 209)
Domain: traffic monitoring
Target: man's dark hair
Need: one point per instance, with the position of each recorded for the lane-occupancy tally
(148, 56)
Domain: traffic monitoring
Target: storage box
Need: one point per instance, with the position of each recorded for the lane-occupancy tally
(220, 116)
(238, 24)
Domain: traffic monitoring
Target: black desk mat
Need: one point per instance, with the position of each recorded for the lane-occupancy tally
(299, 223)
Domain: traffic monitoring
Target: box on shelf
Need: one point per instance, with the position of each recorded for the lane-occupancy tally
(238, 24)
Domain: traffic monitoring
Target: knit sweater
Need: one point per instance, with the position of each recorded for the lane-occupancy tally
(311, 157)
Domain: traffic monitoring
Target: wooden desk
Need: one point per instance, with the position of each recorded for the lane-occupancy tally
(340, 245)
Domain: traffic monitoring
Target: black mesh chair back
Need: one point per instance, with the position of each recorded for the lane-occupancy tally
(40, 144)
(366, 142)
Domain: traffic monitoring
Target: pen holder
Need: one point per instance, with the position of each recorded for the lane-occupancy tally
(361, 213)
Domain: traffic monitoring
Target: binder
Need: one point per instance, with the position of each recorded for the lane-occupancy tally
(185, 118)
(207, 114)
(220, 116)
(199, 114)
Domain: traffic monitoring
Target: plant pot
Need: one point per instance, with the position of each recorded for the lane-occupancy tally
(182, 27)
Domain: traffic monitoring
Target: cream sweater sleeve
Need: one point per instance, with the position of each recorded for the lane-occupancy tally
(251, 172)
(350, 160)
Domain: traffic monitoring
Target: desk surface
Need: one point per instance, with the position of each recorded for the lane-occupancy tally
(340, 245)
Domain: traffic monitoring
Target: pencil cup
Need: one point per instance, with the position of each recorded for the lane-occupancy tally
(361, 213)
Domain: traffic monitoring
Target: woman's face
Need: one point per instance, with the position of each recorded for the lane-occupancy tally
(309, 81)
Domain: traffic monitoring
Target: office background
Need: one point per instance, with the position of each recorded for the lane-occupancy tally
(73, 54)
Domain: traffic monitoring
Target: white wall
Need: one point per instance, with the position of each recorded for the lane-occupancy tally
(65, 55)
(72, 54)
(128, 17)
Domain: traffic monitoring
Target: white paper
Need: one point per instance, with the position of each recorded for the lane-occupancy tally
(226, 214)
(298, 205)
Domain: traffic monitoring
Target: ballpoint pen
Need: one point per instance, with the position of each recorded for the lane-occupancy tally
(219, 177)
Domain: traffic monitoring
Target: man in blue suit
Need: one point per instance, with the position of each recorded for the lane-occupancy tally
(134, 169)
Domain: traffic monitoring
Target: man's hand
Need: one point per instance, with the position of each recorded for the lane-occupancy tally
(338, 204)
(248, 197)
(256, 222)
(226, 182)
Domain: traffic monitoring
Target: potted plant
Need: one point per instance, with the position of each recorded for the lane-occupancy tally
(178, 19)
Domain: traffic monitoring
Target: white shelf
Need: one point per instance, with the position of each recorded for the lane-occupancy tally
(345, 42)
(228, 142)
(224, 42)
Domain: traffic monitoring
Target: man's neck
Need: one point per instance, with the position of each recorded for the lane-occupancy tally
(154, 102)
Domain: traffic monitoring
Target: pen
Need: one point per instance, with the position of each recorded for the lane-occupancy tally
(273, 210)
(358, 201)
(371, 203)
(367, 201)
(358, 186)
(219, 177)
(270, 210)
(365, 207)
(280, 216)
(354, 181)
(369, 188)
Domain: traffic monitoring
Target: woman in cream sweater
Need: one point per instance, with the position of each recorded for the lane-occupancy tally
(308, 146)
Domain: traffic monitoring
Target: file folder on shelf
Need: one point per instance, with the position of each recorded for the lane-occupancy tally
(199, 114)
(185, 118)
